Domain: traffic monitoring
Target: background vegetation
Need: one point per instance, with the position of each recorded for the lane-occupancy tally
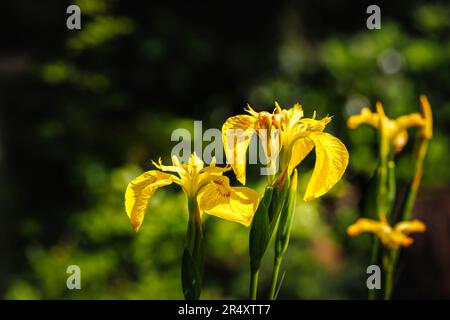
(83, 112)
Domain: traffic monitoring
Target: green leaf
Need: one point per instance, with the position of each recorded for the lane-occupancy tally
(265, 220)
(287, 214)
(260, 230)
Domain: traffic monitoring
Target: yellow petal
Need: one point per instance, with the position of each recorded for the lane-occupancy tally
(236, 134)
(308, 124)
(331, 162)
(410, 120)
(195, 163)
(408, 227)
(365, 225)
(302, 147)
(427, 129)
(175, 168)
(400, 140)
(236, 204)
(139, 192)
(293, 115)
(380, 109)
(366, 116)
(397, 239)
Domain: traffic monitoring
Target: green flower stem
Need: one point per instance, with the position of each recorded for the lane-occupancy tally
(283, 232)
(413, 188)
(275, 272)
(385, 194)
(253, 284)
(391, 186)
(390, 263)
(192, 264)
(195, 230)
(406, 210)
(374, 260)
(263, 225)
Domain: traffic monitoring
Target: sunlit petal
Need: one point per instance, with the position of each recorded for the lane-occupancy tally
(236, 134)
(175, 168)
(408, 227)
(293, 115)
(139, 191)
(195, 163)
(236, 204)
(301, 148)
(309, 124)
(331, 162)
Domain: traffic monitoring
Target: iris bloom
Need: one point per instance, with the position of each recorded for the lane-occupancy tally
(391, 237)
(205, 185)
(293, 138)
(393, 130)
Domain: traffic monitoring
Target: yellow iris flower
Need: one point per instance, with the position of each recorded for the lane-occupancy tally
(391, 237)
(206, 185)
(294, 139)
(395, 130)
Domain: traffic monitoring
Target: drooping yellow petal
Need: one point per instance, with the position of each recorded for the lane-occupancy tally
(236, 134)
(427, 129)
(139, 192)
(236, 204)
(331, 162)
(408, 227)
(301, 148)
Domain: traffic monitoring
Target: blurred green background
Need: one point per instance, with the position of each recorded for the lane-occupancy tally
(84, 112)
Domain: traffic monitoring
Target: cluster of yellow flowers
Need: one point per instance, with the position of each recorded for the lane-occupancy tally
(289, 138)
(206, 185)
(393, 131)
(297, 137)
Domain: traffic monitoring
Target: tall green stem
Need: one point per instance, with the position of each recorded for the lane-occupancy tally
(373, 261)
(413, 188)
(390, 264)
(283, 231)
(192, 264)
(406, 210)
(275, 272)
(253, 284)
(383, 195)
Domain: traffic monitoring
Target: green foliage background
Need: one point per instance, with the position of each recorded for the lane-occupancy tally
(85, 111)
